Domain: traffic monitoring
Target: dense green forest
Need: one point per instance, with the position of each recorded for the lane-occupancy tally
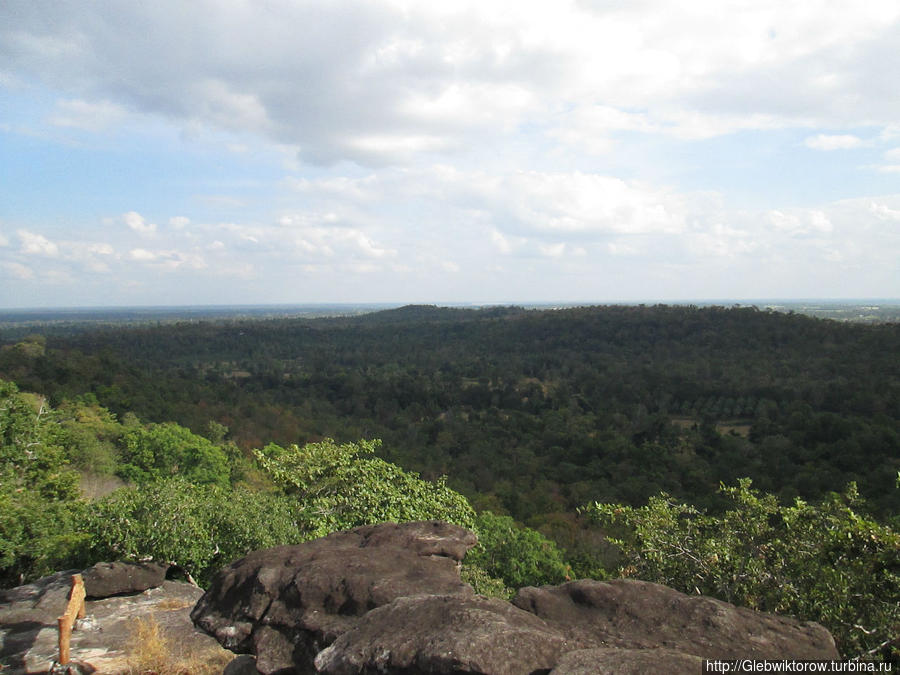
(530, 413)
(580, 442)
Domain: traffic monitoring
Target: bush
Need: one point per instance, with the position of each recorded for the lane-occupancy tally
(826, 562)
(344, 489)
(199, 528)
(519, 556)
(165, 450)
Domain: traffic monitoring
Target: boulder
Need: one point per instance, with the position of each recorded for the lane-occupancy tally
(611, 661)
(629, 614)
(288, 603)
(444, 634)
(104, 579)
(104, 639)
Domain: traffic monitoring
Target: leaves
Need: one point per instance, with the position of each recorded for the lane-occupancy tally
(824, 562)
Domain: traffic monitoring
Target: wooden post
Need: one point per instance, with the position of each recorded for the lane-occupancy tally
(74, 610)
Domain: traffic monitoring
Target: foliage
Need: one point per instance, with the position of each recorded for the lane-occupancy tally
(165, 450)
(343, 489)
(38, 492)
(539, 410)
(821, 562)
(519, 556)
(199, 528)
(483, 583)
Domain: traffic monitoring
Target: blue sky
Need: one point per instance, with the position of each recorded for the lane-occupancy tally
(587, 151)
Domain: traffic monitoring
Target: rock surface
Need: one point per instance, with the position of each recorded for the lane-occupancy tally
(388, 599)
(288, 603)
(444, 634)
(119, 578)
(631, 614)
(611, 661)
(100, 642)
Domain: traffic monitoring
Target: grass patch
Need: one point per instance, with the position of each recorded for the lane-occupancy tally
(151, 652)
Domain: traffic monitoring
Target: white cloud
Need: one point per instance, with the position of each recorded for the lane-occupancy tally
(179, 222)
(884, 212)
(168, 259)
(141, 255)
(582, 204)
(833, 142)
(86, 115)
(137, 223)
(801, 222)
(3, 240)
(18, 271)
(390, 81)
(37, 244)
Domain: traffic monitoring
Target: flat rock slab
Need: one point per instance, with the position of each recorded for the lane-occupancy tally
(287, 603)
(122, 578)
(29, 634)
(444, 634)
(627, 662)
(631, 614)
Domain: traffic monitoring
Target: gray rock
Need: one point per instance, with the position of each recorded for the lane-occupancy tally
(444, 634)
(29, 634)
(632, 614)
(104, 579)
(611, 661)
(287, 603)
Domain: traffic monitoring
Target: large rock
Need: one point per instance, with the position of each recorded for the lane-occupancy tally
(288, 603)
(103, 640)
(104, 579)
(611, 661)
(630, 614)
(444, 634)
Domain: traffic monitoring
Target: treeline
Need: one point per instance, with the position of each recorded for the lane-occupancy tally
(530, 413)
(79, 485)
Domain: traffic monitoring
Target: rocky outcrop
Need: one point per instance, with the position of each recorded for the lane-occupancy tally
(444, 634)
(611, 661)
(629, 614)
(388, 599)
(100, 642)
(105, 580)
(287, 604)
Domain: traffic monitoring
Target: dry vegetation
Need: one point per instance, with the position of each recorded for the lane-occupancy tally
(151, 652)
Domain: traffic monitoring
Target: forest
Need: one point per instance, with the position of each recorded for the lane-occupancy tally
(573, 440)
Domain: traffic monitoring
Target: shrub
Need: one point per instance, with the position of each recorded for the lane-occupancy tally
(826, 562)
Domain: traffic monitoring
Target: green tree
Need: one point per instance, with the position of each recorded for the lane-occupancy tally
(343, 486)
(199, 528)
(165, 450)
(825, 562)
(519, 556)
(38, 491)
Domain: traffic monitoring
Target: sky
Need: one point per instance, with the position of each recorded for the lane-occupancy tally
(285, 151)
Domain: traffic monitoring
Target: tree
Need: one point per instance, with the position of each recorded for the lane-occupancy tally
(165, 450)
(825, 562)
(519, 556)
(199, 528)
(38, 491)
(341, 487)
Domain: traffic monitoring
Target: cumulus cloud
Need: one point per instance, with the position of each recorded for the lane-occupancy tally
(85, 115)
(136, 222)
(386, 82)
(168, 259)
(884, 212)
(37, 244)
(833, 142)
(17, 270)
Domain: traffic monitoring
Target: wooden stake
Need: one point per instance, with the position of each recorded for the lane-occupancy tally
(74, 610)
